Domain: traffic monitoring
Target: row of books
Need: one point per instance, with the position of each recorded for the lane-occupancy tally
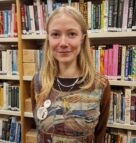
(10, 130)
(8, 22)
(8, 61)
(123, 106)
(115, 61)
(112, 15)
(119, 136)
(104, 15)
(9, 96)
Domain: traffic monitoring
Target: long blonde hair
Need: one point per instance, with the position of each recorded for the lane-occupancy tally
(49, 68)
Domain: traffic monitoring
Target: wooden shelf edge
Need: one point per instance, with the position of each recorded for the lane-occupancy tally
(111, 34)
(8, 112)
(28, 114)
(34, 37)
(27, 78)
(9, 77)
(122, 126)
(122, 83)
(8, 40)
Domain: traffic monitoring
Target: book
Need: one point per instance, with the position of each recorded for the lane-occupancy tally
(13, 129)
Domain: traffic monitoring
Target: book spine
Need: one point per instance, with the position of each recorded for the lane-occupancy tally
(89, 13)
(127, 105)
(130, 15)
(119, 61)
(125, 15)
(134, 17)
(120, 15)
(132, 110)
(110, 13)
(115, 14)
(115, 60)
(23, 19)
(106, 62)
(32, 20)
(12, 130)
(123, 62)
(6, 23)
(106, 15)
(127, 64)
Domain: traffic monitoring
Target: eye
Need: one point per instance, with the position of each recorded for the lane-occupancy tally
(55, 35)
(72, 34)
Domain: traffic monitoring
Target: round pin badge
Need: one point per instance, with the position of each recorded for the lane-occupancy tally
(42, 113)
(47, 103)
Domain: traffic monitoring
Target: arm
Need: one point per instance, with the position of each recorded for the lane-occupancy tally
(104, 113)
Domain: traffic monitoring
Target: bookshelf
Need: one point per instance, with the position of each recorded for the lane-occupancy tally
(27, 41)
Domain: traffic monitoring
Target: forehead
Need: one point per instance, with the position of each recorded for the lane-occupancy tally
(64, 20)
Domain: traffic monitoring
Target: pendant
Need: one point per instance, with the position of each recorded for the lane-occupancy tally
(47, 103)
(42, 113)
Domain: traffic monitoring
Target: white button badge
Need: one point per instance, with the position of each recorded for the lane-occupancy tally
(42, 113)
(47, 103)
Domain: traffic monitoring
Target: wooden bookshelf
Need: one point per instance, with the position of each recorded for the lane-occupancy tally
(28, 42)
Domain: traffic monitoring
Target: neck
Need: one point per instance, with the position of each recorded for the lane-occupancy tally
(69, 71)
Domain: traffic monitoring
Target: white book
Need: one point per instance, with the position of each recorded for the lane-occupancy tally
(4, 62)
(49, 7)
(5, 93)
(32, 19)
(9, 62)
(89, 13)
(125, 15)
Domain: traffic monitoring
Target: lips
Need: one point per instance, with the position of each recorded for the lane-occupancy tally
(62, 51)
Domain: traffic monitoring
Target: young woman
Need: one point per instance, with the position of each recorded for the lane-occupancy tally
(70, 101)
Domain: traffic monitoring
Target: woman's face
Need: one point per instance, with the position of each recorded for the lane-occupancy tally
(65, 38)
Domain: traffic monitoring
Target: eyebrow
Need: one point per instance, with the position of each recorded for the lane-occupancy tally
(71, 29)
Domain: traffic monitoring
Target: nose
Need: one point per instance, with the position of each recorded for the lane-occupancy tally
(63, 41)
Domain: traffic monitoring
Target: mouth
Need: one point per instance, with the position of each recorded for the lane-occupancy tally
(63, 51)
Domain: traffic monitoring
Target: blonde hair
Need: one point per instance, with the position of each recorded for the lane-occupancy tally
(50, 67)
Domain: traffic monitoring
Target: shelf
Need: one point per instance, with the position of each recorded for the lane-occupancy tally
(122, 83)
(122, 126)
(28, 114)
(27, 78)
(90, 35)
(9, 77)
(10, 113)
(111, 34)
(2, 141)
(6, 0)
(34, 37)
(8, 40)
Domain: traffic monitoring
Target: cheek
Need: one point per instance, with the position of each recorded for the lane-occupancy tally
(53, 44)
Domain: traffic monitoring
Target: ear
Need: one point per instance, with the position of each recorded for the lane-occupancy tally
(83, 37)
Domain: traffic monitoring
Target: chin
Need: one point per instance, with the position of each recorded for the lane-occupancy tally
(64, 60)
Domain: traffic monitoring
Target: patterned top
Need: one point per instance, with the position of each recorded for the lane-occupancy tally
(74, 116)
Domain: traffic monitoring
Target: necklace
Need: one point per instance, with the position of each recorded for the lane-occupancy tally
(71, 85)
